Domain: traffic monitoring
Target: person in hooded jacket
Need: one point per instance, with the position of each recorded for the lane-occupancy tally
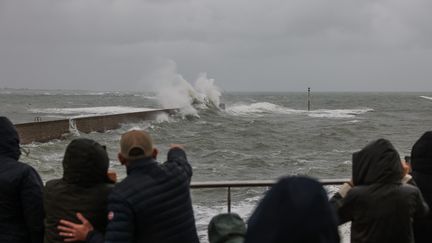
(379, 205)
(421, 164)
(295, 209)
(84, 188)
(152, 204)
(21, 208)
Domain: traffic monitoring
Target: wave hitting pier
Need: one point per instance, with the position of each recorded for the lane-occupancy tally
(44, 131)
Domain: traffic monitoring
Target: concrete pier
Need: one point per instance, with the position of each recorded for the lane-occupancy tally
(43, 131)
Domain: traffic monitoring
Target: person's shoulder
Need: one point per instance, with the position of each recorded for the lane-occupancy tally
(408, 188)
(19, 168)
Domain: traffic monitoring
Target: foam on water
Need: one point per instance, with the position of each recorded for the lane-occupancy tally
(426, 97)
(339, 113)
(83, 111)
(262, 108)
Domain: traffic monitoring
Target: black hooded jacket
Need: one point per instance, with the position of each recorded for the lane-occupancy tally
(380, 207)
(84, 188)
(21, 208)
(296, 209)
(421, 162)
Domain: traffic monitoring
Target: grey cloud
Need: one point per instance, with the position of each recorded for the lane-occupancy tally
(243, 44)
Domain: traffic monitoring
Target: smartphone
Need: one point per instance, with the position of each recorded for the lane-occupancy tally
(408, 159)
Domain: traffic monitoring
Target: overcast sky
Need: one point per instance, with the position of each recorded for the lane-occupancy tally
(245, 45)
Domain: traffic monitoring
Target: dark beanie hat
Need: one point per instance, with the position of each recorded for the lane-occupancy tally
(226, 228)
(421, 154)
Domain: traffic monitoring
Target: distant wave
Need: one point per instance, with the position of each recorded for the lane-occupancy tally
(339, 113)
(101, 110)
(262, 108)
(426, 97)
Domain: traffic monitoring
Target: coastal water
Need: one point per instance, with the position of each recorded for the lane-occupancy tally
(258, 135)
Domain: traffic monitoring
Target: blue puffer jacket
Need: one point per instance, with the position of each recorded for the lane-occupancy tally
(21, 209)
(152, 204)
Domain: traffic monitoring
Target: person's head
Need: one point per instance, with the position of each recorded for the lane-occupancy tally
(226, 228)
(9, 139)
(134, 145)
(421, 154)
(85, 162)
(378, 162)
(295, 209)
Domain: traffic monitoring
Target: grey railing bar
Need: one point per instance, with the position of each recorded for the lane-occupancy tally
(253, 183)
(250, 183)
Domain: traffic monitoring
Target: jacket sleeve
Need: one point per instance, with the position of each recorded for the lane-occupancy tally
(421, 209)
(32, 205)
(178, 156)
(95, 237)
(120, 228)
(342, 203)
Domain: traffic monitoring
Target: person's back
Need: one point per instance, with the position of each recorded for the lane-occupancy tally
(154, 202)
(295, 209)
(380, 207)
(21, 209)
(84, 188)
(421, 164)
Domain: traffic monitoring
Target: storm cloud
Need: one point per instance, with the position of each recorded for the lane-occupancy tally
(245, 45)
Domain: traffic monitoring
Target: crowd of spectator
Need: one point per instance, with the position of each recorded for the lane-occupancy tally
(386, 199)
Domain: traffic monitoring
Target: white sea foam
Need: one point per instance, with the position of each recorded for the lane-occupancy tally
(100, 110)
(262, 108)
(174, 91)
(339, 113)
(426, 97)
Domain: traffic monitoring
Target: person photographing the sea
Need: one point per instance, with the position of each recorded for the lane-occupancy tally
(380, 206)
(152, 204)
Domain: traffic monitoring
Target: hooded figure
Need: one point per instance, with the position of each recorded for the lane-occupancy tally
(296, 209)
(421, 164)
(21, 208)
(84, 188)
(226, 228)
(380, 207)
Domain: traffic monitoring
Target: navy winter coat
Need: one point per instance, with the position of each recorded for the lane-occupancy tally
(21, 209)
(152, 204)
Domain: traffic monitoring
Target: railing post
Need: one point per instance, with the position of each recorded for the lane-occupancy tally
(229, 199)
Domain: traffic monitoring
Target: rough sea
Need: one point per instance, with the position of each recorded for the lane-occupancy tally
(259, 136)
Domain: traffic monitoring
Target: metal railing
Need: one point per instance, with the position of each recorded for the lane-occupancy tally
(251, 183)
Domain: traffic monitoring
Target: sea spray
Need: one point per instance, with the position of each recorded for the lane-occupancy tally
(173, 91)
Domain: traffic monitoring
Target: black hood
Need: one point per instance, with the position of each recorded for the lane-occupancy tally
(421, 154)
(9, 140)
(378, 162)
(85, 163)
(296, 209)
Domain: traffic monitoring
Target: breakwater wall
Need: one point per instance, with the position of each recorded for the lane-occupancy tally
(44, 131)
